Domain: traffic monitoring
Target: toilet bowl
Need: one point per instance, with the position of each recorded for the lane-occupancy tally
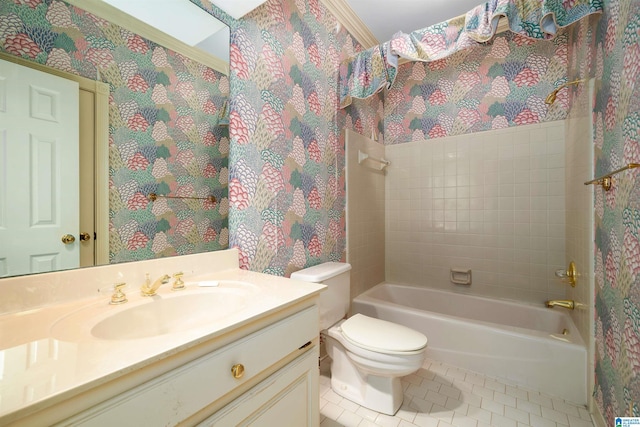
(368, 355)
(370, 376)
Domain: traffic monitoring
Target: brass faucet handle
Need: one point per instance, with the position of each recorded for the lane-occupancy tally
(570, 275)
(118, 296)
(178, 284)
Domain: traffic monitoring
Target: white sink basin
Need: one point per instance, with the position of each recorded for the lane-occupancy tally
(166, 313)
(164, 316)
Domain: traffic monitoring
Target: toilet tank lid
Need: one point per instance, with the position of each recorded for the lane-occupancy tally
(321, 272)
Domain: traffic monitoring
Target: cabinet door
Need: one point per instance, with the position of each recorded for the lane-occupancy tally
(287, 398)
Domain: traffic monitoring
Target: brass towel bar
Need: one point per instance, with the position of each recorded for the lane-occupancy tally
(153, 197)
(606, 180)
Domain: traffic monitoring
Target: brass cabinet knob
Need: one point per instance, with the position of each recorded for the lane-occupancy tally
(85, 237)
(68, 239)
(237, 370)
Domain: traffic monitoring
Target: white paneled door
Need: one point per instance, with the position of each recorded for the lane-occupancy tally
(38, 171)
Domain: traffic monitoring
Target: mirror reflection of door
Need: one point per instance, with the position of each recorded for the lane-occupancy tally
(47, 176)
(39, 123)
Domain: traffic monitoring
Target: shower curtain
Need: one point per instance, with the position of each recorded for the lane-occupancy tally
(374, 69)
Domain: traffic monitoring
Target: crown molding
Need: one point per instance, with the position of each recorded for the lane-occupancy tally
(351, 22)
(117, 17)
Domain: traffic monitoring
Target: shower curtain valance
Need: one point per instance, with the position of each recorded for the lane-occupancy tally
(374, 69)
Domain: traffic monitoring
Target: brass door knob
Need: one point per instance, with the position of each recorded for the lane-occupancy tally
(68, 239)
(85, 237)
(237, 370)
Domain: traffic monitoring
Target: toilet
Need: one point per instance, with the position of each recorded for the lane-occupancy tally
(368, 355)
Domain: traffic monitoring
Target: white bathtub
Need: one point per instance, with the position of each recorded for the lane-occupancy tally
(521, 343)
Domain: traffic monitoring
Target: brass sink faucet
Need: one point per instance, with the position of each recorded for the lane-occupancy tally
(149, 290)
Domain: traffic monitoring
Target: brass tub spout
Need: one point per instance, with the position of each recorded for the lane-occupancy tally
(569, 304)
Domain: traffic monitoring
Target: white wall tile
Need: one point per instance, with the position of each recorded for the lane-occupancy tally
(367, 202)
(491, 201)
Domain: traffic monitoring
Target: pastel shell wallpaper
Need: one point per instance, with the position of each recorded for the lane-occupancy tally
(286, 169)
(375, 68)
(164, 136)
(616, 117)
(497, 85)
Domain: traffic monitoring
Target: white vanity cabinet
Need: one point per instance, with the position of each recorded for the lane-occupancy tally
(287, 398)
(275, 383)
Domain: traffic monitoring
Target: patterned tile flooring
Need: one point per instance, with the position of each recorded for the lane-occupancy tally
(439, 395)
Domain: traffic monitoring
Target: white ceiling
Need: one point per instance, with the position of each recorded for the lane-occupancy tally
(182, 20)
(236, 8)
(190, 24)
(384, 18)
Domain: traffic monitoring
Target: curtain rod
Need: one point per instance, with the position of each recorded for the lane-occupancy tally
(606, 181)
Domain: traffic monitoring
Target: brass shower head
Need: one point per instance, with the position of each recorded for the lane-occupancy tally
(551, 98)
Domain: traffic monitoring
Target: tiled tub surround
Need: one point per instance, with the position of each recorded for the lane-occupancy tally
(365, 213)
(579, 218)
(54, 377)
(492, 202)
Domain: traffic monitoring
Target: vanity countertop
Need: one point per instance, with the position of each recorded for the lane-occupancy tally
(42, 365)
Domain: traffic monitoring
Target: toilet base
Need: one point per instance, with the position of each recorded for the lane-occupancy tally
(372, 397)
(379, 393)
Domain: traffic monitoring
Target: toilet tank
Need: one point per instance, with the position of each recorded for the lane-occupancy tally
(335, 300)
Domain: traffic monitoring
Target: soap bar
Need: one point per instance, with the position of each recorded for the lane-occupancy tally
(208, 283)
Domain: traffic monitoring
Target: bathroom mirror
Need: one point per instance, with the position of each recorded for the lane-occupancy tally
(145, 228)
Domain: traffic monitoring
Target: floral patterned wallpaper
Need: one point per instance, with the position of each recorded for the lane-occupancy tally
(617, 212)
(499, 84)
(163, 133)
(287, 178)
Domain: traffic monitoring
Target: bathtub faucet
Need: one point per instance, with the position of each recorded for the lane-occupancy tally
(570, 304)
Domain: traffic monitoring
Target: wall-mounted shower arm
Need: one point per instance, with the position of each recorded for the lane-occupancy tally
(551, 98)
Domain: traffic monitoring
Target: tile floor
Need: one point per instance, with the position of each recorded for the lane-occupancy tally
(439, 395)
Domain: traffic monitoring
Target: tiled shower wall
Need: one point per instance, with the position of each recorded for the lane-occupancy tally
(492, 202)
(365, 213)
(579, 216)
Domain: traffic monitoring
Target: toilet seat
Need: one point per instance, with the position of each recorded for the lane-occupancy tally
(381, 336)
(382, 363)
